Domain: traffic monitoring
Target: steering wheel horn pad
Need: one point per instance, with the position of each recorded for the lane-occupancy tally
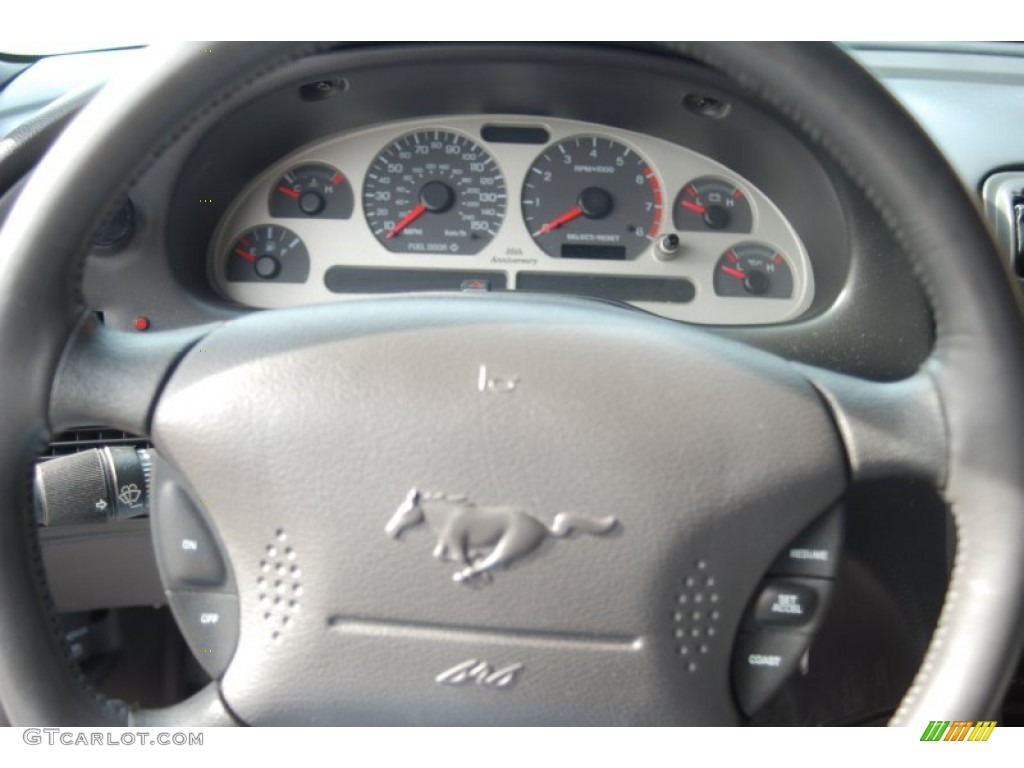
(305, 432)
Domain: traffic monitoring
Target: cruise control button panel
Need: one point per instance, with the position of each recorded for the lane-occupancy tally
(198, 582)
(785, 612)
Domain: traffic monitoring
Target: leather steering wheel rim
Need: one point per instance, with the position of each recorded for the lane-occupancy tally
(975, 372)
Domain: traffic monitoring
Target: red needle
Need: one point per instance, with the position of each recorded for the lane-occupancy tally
(414, 214)
(288, 191)
(556, 223)
(734, 272)
(695, 207)
(245, 255)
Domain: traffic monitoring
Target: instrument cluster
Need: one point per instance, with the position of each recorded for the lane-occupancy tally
(512, 203)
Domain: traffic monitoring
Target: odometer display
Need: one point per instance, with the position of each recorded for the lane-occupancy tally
(434, 192)
(588, 197)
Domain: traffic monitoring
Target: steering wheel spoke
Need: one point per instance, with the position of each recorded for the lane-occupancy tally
(113, 378)
(204, 709)
(889, 429)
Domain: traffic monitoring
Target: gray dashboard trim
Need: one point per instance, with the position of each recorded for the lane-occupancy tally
(89, 567)
(969, 103)
(54, 76)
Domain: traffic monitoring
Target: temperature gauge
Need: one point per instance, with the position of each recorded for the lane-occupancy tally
(710, 203)
(753, 270)
(312, 190)
(268, 253)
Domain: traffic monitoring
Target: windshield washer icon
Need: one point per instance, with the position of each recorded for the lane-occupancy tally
(129, 494)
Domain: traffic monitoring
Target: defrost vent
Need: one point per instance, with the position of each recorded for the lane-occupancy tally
(86, 438)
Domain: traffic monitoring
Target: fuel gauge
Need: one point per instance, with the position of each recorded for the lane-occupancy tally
(268, 252)
(712, 204)
(753, 270)
(312, 190)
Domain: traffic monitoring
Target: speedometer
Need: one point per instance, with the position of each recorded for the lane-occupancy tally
(434, 191)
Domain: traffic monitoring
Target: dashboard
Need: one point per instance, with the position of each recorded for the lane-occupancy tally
(683, 136)
(512, 203)
(853, 307)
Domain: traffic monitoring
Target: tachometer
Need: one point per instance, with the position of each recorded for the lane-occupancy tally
(588, 197)
(434, 192)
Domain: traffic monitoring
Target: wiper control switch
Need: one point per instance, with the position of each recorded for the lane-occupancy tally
(98, 485)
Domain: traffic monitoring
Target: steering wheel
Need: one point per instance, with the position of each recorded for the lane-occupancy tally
(315, 440)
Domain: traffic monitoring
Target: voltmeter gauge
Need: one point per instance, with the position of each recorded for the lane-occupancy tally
(711, 204)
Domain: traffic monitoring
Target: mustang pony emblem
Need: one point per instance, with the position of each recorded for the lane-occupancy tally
(484, 538)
